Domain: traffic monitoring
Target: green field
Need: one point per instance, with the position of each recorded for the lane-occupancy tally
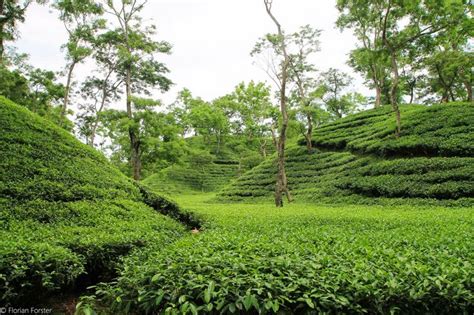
(303, 257)
(367, 234)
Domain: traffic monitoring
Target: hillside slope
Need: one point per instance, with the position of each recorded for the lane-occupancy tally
(192, 178)
(358, 159)
(66, 214)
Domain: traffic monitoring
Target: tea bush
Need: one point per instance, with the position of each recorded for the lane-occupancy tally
(66, 215)
(304, 258)
(191, 178)
(358, 160)
(438, 130)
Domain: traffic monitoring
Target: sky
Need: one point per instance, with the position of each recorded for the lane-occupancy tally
(211, 39)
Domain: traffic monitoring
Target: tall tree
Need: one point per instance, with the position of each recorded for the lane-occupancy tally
(12, 12)
(82, 20)
(397, 25)
(99, 90)
(338, 102)
(278, 69)
(302, 72)
(138, 65)
(159, 135)
(364, 17)
(255, 112)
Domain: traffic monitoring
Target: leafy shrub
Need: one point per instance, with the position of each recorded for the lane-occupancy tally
(359, 160)
(302, 259)
(66, 215)
(438, 130)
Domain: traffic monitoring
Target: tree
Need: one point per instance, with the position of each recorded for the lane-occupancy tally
(255, 112)
(157, 132)
(306, 43)
(82, 21)
(12, 12)
(98, 91)
(311, 113)
(209, 120)
(278, 69)
(449, 59)
(364, 17)
(396, 25)
(138, 66)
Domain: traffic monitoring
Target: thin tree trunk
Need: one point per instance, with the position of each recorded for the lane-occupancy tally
(309, 134)
(2, 27)
(393, 93)
(263, 148)
(468, 87)
(412, 93)
(274, 139)
(102, 105)
(378, 95)
(67, 90)
(281, 182)
(134, 142)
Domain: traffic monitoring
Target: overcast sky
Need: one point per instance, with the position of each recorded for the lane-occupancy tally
(211, 40)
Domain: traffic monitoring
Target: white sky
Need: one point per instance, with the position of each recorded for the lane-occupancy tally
(211, 40)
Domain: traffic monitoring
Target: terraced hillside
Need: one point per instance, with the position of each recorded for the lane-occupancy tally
(194, 178)
(66, 214)
(358, 159)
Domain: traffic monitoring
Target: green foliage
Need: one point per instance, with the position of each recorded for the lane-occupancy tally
(438, 130)
(194, 177)
(35, 89)
(303, 259)
(431, 163)
(66, 215)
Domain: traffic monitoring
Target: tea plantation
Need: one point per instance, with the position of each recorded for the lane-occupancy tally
(358, 158)
(193, 178)
(380, 225)
(305, 258)
(66, 215)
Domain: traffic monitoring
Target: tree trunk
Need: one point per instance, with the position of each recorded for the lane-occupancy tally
(393, 93)
(2, 27)
(263, 148)
(309, 134)
(378, 95)
(102, 105)
(67, 91)
(274, 139)
(468, 87)
(281, 182)
(134, 142)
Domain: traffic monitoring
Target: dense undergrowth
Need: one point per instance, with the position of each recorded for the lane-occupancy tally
(303, 258)
(358, 160)
(66, 215)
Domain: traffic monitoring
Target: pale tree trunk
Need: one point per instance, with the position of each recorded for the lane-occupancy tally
(263, 148)
(393, 93)
(378, 96)
(102, 105)
(281, 180)
(2, 27)
(67, 90)
(309, 134)
(378, 87)
(274, 138)
(134, 141)
(395, 74)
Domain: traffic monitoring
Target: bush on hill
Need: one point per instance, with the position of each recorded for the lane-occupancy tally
(66, 214)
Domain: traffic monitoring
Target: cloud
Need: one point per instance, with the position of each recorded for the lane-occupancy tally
(211, 40)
